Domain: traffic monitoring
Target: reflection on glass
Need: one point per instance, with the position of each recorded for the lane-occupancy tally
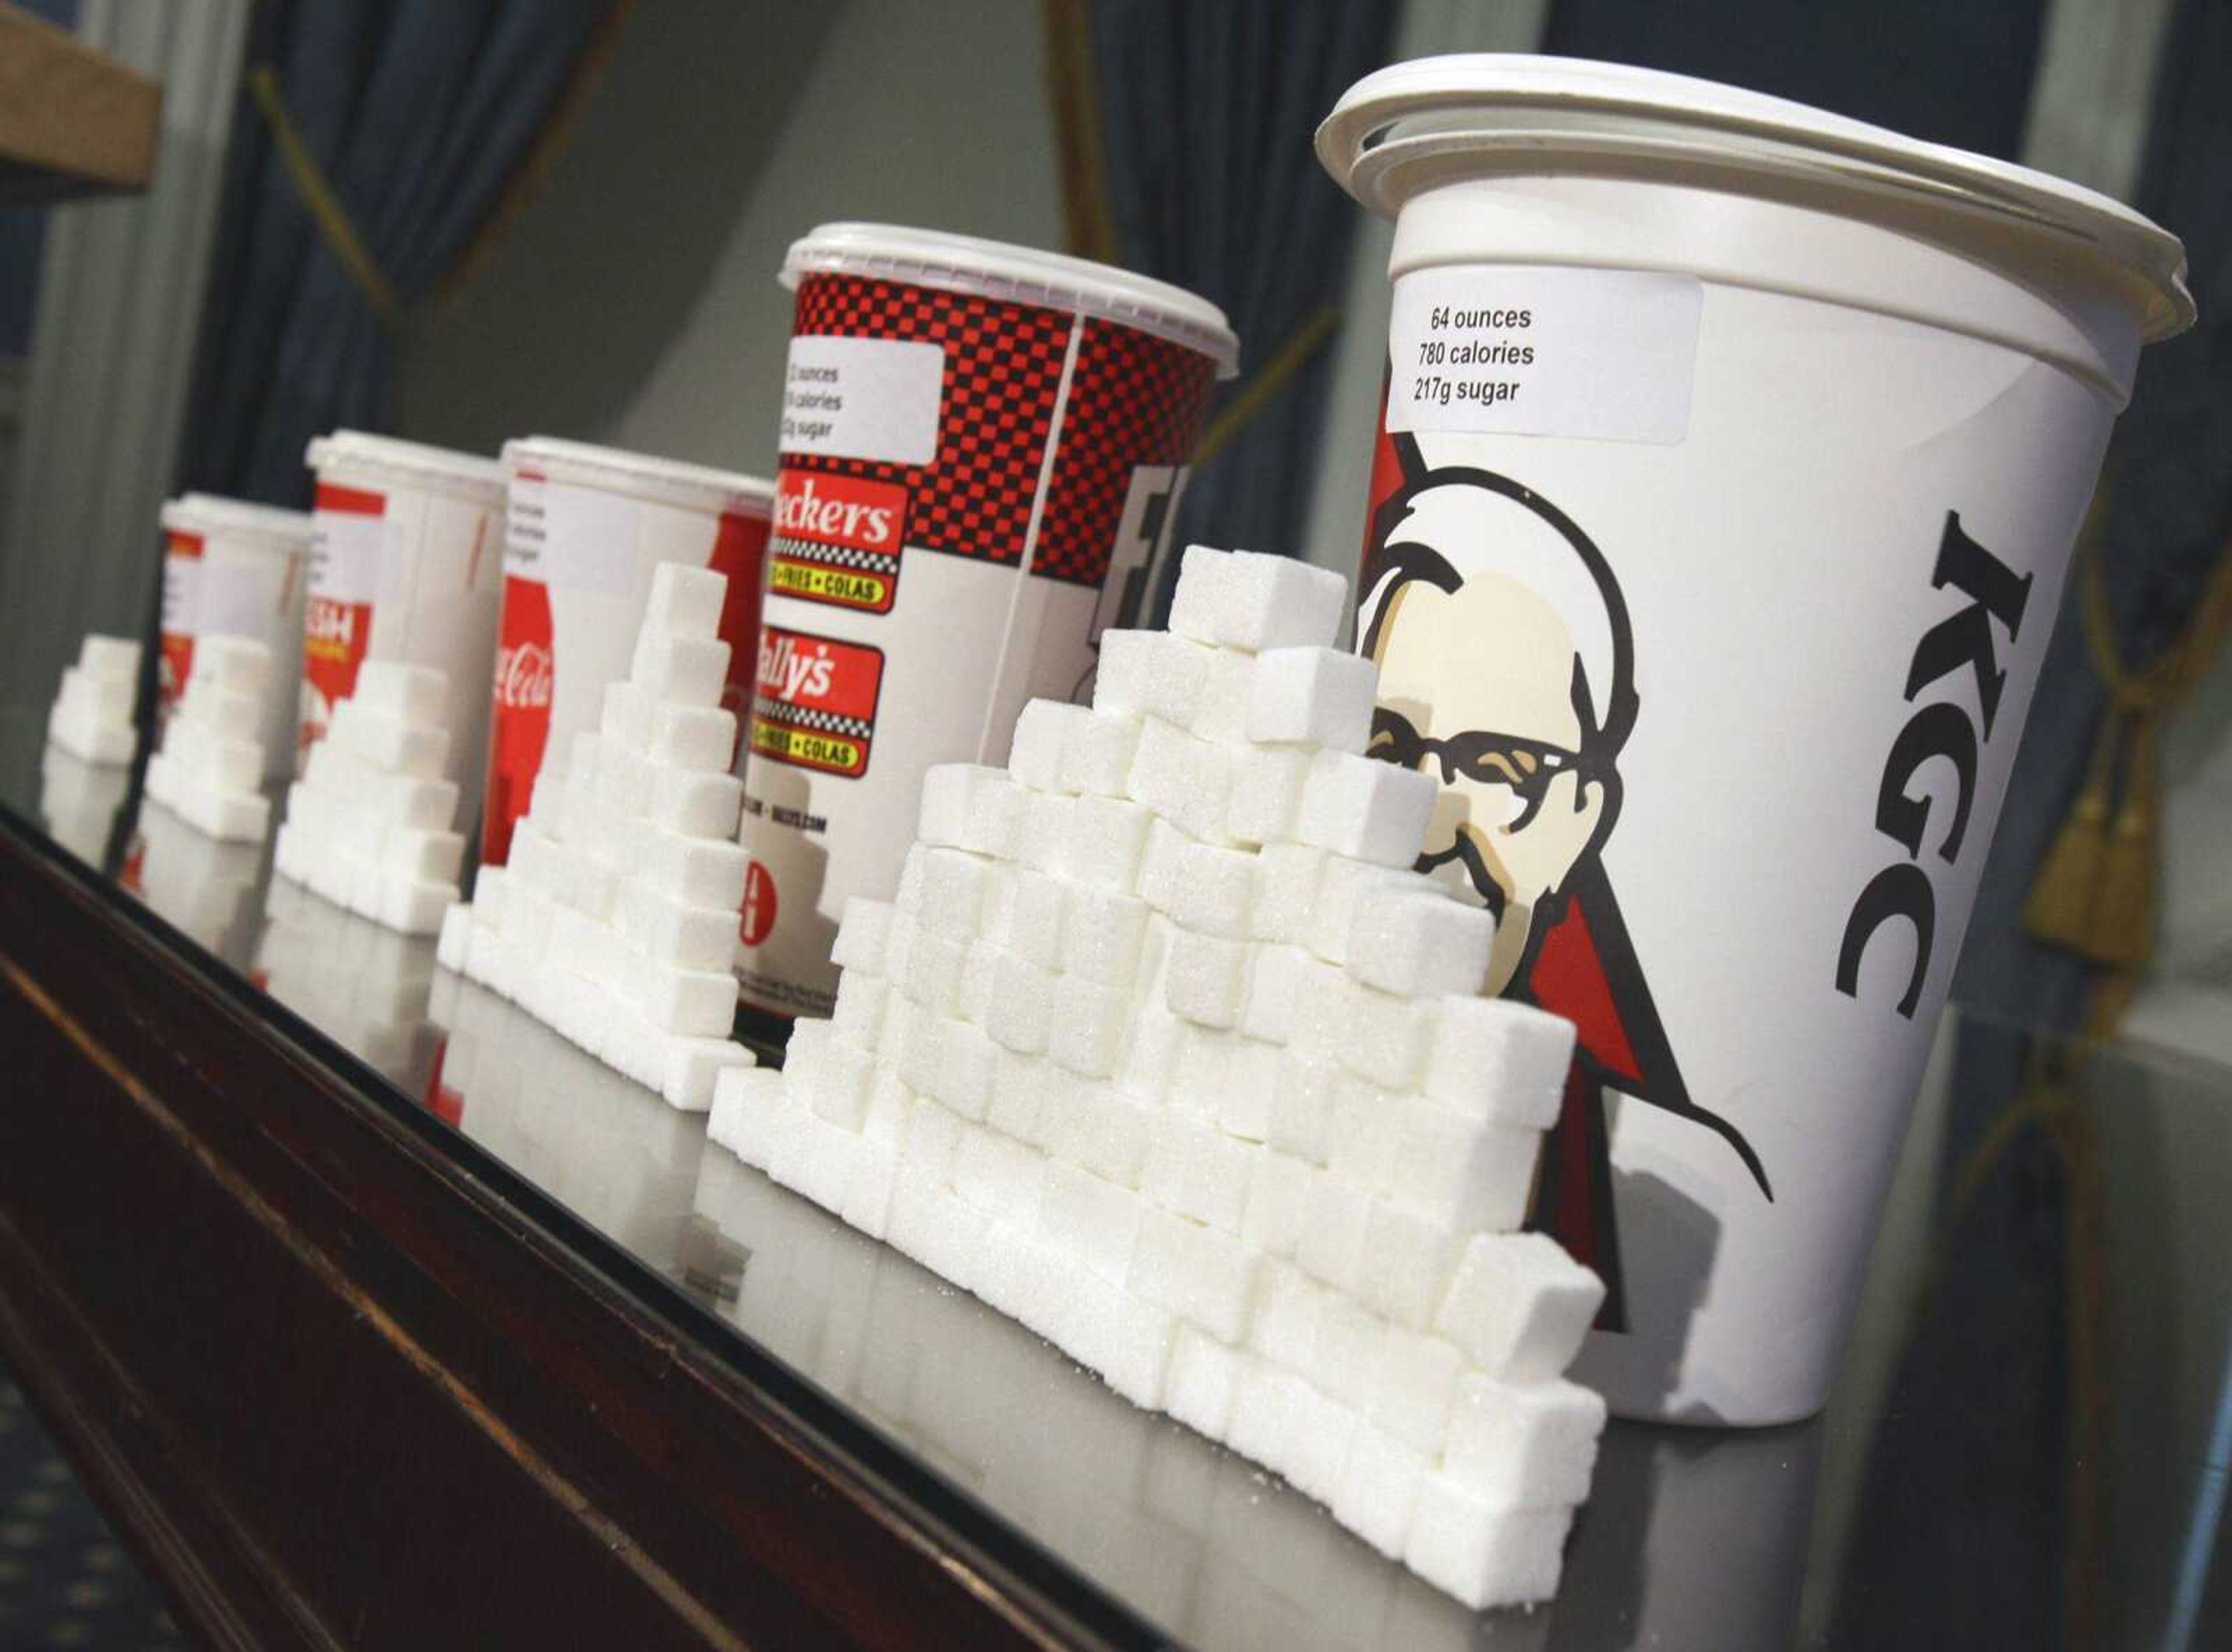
(360, 982)
(200, 885)
(78, 801)
(608, 1150)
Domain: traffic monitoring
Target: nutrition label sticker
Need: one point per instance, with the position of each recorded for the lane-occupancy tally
(862, 398)
(1606, 354)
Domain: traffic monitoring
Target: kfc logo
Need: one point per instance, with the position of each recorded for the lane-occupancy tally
(1507, 671)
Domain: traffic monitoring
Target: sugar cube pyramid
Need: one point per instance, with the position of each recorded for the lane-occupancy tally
(1163, 1050)
(370, 826)
(615, 922)
(210, 771)
(92, 715)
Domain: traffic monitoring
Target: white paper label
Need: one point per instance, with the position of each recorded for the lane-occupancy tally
(1515, 350)
(182, 595)
(236, 598)
(349, 550)
(862, 398)
(573, 539)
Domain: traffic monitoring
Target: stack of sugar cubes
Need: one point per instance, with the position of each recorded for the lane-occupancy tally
(1164, 1051)
(369, 826)
(209, 772)
(92, 714)
(614, 921)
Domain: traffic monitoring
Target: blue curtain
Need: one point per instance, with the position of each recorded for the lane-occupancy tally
(416, 113)
(1207, 112)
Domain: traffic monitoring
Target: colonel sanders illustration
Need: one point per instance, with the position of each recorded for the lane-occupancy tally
(1507, 671)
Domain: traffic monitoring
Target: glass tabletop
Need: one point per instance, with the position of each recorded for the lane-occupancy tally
(2029, 1444)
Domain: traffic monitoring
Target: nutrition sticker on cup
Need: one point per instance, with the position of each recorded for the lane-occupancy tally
(1517, 350)
(862, 398)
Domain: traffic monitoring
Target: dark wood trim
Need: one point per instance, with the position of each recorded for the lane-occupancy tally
(346, 1381)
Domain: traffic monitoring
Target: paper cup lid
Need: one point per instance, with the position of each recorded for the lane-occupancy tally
(1414, 126)
(439, 467)
(644, 476)
(209, 513)
(1017, 276)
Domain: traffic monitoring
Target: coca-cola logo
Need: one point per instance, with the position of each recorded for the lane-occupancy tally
(523, 676)
(841, 510)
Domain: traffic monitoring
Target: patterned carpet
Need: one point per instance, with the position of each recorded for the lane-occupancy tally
(64, 1579)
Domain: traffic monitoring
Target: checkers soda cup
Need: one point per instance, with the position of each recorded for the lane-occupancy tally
(405, 565)
(1729, 466)
(587, 527)
(982, 451)
(234, 569)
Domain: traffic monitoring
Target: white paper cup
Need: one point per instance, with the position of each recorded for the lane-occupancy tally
(406, 564)
(587, 527)
(1731, 460)
(983, 448)
(234, 569)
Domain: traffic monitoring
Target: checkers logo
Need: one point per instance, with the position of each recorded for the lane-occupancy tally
(837, 539)
(814, 704)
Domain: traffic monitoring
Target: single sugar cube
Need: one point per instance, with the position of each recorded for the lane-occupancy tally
(1150, 673)
(1407, 1266)
(1220, 713)
(114, 659)
(1098, 1127)
(1186, 780)
(1197, 1272)
(413, 693)
(1108, 835)
(1158, 865)
(693, 1003)
(889, 1103)
(696, 871)
(1017, 1096)
(999, 1176)
(1463, 1174)
(1208, 890)
(994, 824)
(952, 893)
(1262, 602)
(1251, 1087)
(1283, 1327)
(1343, 886)
(1096, 752)
(1350, 1337)
(1378, 1488)
(1035, 933)
(1483, 1554)
(1493, 1058)
(1382, 1037)
(1363, 1133)
(1198, 603)
(1413, 1388)
(858, 1015)
(1090, 1219)
(1267, 793)
(1285, 900)
(1101, 933)
(933, 1137)
(680, 670)
(1278, 1198)
(626, 720)
(968, 804)
(1334, 1220)
(933, 973)
(694, 802)
(1199, 1072)
(1524, 1445)
(864, 935)
(1044, 731)
(1203, 1382)
(1519, 1306)
(964, 1069)
(1123, 662)
(842, 1073)
(980, 965)
(1311, 696)
(1285, 984)
(1043, 843)
(1152, 1057)
(1193, 1169)
(1421, 945)
(1302, 1105)
(868, 1195)
(1085, 1026)
(1022, 995)
(1365, 808)
(685, 601)
(1206, 978)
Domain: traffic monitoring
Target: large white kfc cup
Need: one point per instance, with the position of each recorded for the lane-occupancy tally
(983, 448)
(234, 569)
(587, 527)
(406, 566)
(1731, 457)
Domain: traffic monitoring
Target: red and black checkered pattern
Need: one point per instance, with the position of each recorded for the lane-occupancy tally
(1003, 369)
(1134, 399)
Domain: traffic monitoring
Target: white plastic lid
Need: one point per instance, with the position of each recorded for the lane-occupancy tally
(1414, 126)
(442, 469)
(209, 513)
(641, 475)
(1017, 276)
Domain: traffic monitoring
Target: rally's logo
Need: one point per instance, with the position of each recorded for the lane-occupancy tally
(837, 539)
(1507, 671)
(814, 701)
